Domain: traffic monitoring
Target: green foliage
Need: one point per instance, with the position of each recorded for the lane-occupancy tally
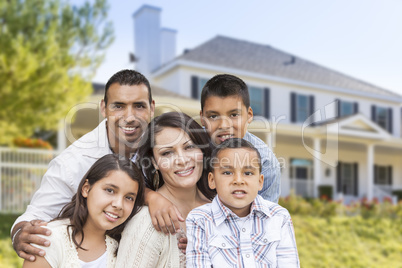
(49, 51)
(325, 191)
(8, 257)
(333, 242)
(398, 193)
(348, 242)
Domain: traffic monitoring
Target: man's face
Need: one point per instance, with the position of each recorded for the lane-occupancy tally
(237, 179)
(225, 117)
(128, 113)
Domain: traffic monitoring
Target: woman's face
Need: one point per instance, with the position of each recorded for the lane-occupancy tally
(178, 159)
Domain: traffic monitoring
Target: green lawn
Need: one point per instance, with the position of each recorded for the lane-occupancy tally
(336, 241)
(8, 257)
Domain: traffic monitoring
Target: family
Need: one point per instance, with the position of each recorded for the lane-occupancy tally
(166, 192)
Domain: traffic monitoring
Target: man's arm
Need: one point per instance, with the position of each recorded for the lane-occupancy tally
(165, 216)
(23, 234)
(197, 249)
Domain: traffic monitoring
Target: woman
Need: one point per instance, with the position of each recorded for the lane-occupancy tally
(174, 158)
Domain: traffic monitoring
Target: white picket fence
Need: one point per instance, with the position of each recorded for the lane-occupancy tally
(21, 172)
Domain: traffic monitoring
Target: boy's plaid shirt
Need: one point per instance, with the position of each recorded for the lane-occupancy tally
(265, 238)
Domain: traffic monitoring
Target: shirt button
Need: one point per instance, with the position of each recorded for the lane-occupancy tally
(243, 230)
(247, 255)
(265, 240)
(223, 245)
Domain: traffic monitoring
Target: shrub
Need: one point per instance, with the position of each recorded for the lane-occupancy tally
(325, 192)
(32, 143)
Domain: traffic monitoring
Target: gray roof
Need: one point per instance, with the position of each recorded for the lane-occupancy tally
(264, 59)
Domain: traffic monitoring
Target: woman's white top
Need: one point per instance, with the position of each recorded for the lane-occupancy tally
(141, 246)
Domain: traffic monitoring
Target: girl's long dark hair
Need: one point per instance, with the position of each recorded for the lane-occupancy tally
(196, 133)
(77, 211)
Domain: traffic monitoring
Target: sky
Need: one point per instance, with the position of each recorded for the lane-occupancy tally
(360, 38)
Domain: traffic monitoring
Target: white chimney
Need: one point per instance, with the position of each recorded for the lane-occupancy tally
(147, 35)
(168, 44)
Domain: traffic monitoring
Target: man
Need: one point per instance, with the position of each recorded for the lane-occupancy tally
(128, 108)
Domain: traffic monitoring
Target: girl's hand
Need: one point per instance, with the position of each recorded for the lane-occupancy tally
(165, 216)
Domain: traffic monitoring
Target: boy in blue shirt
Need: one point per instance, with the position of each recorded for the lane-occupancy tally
(239, 228)
(225, 113)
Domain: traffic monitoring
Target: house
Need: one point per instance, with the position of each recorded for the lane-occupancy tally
(327, 129)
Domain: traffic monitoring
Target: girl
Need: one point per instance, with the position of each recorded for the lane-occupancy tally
(87, 231)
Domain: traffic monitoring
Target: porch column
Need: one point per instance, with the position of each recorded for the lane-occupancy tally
(370, 164)
(61, 137)
(317, 166)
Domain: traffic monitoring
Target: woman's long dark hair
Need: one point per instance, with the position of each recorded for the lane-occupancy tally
(77, 210)
(196, 133)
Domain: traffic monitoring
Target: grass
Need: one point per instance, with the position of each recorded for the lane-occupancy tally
(8, 257)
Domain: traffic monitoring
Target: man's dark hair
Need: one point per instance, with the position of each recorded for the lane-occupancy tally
(224, 85)
(128, 78)
(234, 143)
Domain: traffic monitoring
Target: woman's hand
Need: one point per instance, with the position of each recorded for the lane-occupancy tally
(165, 216)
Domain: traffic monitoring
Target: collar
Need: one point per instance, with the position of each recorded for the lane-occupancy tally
(220, 212)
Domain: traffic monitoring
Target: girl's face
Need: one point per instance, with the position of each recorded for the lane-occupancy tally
(110, 200)
(178, 159)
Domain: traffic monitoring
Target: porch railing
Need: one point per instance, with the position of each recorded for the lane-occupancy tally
(21, 171)
(302, 187)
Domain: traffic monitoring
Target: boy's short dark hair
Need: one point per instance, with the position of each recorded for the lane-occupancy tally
(128, 78)
(234, 143)
(224, 85)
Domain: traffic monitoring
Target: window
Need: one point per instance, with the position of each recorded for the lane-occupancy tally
(201, 84)
(382, 175)
(301, 169)
(346, 108)
(301, 177)
(197, 83)
(382, 116)
(347, 178)
(302, 106)
(257, 100)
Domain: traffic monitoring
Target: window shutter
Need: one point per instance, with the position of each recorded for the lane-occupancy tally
(338, 177)
(356, 178)
(390, 175)
(355, 107)
(338, 108)
(312, 108)
(194, 87)
(293, 107)
(390, 120)
(267, 103)
(375, 175)
(373, 117)
(312, 105)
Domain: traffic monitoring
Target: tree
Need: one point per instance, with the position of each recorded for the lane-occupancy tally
(49, 51)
